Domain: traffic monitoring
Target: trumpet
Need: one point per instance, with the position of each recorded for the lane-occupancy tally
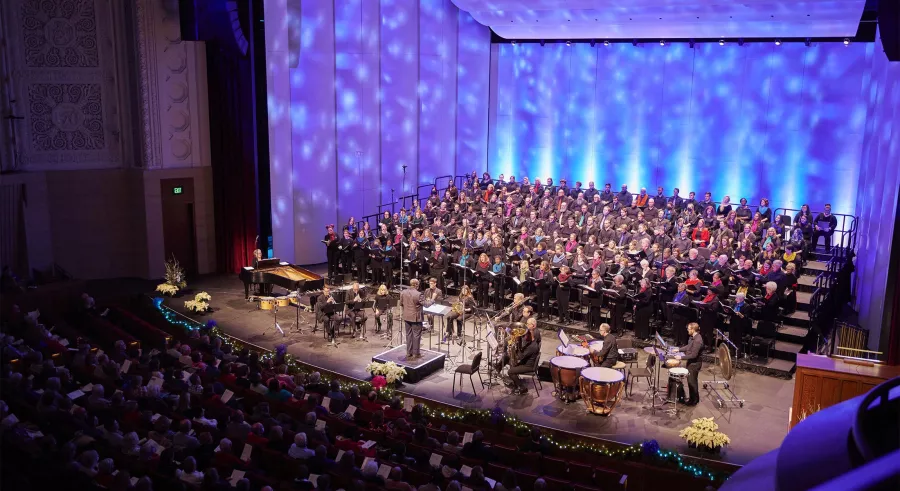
(330, 298)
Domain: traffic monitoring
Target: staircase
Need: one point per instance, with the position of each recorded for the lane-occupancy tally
(795, 329)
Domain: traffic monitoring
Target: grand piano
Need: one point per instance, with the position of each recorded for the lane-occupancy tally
(274, 272)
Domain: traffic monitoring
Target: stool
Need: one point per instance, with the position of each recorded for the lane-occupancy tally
(622, 367)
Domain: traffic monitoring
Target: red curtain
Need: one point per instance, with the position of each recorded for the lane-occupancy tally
(232, 138)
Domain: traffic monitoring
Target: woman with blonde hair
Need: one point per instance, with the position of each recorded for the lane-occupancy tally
(465, 304)
(382, 293)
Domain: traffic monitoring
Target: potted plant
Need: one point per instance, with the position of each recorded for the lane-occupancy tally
(199, 304)
(392, 373)
(703, 435)
(167, 289)
(174, 279)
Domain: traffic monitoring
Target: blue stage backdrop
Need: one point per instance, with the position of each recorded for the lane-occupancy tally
(783, 122)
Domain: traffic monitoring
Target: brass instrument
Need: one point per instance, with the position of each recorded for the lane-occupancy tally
(515, 333)
(458, 308)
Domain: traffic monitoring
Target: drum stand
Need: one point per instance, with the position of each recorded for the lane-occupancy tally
(275, 325)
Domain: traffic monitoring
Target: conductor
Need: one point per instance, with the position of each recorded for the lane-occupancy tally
(692, 357)
(411, 303)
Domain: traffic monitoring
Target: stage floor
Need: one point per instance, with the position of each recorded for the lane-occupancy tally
(755, 429)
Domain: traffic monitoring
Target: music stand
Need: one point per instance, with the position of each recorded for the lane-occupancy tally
(437, 310)
(329, 310)
(492, 343)
(387, 304)
(301, 285)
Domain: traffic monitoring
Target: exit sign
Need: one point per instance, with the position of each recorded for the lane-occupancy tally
(177, 190)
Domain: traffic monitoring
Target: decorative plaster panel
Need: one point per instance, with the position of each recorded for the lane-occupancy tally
(66, 116)
(63, 81)
(60, 33)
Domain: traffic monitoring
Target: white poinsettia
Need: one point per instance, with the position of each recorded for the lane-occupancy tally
(202, 297)
(195, 306)
(167, 289)
(390, 371)
(704, 432)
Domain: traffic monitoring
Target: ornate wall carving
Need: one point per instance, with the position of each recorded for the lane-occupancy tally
(172, 88)
(60, 33)
(66, 116)
(65, 81)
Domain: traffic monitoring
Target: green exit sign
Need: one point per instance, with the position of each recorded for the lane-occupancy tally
(177, 190)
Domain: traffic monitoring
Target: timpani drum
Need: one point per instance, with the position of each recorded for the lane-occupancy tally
(574, 350)
(601, 389)
(594, 348)
(266, 303)
(565, 370)
(677, 376)
(284, 301)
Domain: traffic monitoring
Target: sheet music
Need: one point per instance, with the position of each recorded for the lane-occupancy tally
(408, 403)
(236, 475)
(227, 395)
(492, 340)
(245, 454)
(564, 338)
(467, 438)
(384, 471)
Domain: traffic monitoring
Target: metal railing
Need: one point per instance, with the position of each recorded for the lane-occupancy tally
(845, 233)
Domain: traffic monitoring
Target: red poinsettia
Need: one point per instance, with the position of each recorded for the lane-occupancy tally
(378, 382)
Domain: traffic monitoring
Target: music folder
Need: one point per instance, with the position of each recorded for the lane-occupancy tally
(587, 288)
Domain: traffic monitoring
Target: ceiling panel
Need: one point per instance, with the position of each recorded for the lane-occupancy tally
(666, 19)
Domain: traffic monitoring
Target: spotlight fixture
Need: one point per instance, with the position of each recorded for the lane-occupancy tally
(846, 41)
(634, 42)
(721, 42)
(593, 42)
(605, 43)
(807, 42)
(777, 42)
(741, 42)
(568, 43)
(542, 42)
(691, 43)
(513, 42)
(662, 42)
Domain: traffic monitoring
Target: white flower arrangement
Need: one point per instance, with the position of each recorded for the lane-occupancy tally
(391, 371)
(167, 289)
(195, 306)
(703, 432)
(175, 273)
(200, 303)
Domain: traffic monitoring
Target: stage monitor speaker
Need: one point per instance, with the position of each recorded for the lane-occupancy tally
(889, 27)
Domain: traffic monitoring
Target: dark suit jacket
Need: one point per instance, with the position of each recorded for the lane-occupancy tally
(411, 302)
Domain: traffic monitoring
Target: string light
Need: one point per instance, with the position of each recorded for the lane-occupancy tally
(662, 458)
